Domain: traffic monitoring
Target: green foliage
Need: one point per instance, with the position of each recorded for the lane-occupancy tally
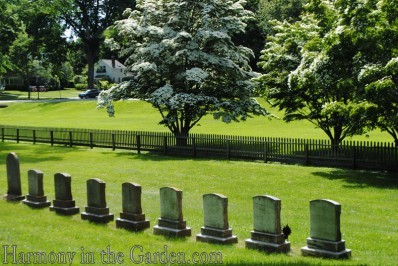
(81, 86)
(79, 79)
(89, 19)
(378, 37)
(185, 63)
(281, 10)
(8, 33)
(312, 66)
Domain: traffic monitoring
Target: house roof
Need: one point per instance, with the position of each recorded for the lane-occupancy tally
(109, 63)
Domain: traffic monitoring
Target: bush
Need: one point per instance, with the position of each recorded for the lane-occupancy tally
(81, 86)
(78, 79)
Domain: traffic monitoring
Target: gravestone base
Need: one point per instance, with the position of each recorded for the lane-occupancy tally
(36, 201)
(171, 228)
(11, 197)
(97, 215)
(65, 207)
(216, 236)
(268, 242)
(132, 222)
(326, 249)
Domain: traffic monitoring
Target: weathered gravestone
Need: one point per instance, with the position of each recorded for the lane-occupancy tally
(325, 236)
(132, 217)
(171, 222)
(96, 211)
(14, 192)
(36, 197)
(216, 227)
(267, 234)
(63, 203)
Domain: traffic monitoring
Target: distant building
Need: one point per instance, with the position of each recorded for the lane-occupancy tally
(12, 81)
(110, 69)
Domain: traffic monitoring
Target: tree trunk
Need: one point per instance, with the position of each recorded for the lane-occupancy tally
(181, 137)
(336, 139)
(92, 50)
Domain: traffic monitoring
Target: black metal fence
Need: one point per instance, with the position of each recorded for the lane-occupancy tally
(353, 154)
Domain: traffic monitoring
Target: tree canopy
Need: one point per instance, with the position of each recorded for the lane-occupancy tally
(312, 69)
(88, 20)
(184, 62)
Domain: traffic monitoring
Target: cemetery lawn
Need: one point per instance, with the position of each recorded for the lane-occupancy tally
(23, 95)
(369, 216)
(140, 116)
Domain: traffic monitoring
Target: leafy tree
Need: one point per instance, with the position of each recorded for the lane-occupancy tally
(89, 19)
(311, 72)
(281, 10)
(9, 27)
(184, 62)
(376, 30)
(38, 46)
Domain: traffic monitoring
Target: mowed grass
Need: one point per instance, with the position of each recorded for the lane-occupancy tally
(140, 116)
(24, 95)
(368, 221)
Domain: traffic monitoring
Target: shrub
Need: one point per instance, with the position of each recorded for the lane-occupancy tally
(81, 86)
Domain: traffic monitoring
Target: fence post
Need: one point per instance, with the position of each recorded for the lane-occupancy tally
(52, 137)
(354, 157)
(265, 152)
(2, 134)
(91, 140)
(307, 154)
(34, 136)
(228, 149)
(138, 139)
(17, 135)
(165, 145)
(113, 142)
(70, 139)
(194, 147)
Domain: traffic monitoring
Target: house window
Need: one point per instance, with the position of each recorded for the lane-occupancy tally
(101, 69)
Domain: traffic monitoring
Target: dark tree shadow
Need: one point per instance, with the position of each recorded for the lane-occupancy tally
(362, 178)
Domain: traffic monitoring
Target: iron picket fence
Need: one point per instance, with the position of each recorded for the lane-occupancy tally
(353, 154)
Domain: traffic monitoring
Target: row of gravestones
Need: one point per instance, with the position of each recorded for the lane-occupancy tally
(325, 238)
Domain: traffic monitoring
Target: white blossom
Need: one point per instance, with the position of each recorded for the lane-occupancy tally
(196, 74)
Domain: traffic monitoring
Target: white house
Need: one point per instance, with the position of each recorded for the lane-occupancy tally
(112, 69)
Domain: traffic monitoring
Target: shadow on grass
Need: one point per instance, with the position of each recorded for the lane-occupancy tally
(43, 152)
(362, 179)
(160, 157)
(5, 95)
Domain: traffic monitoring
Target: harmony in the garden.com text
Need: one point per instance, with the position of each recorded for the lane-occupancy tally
(136, 255)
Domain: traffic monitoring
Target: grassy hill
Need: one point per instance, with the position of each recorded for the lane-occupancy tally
(140, 116)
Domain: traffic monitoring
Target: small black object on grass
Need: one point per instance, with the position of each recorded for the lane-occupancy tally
(286, 231)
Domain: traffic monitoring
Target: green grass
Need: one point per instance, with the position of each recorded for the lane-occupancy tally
(140, 116)
(23, 95)
(368, 222)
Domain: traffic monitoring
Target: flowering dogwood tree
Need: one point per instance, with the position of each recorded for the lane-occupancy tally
(311, 71)
(184, 62)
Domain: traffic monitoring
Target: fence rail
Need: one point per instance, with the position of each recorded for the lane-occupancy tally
(354, 154)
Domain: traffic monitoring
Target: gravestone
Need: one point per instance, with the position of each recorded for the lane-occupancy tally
(14, 192)
(267, 234)
(325, 236)
(36, 197)
(64, 203)
(96, 211)
(216, 227)
(132, 217)
(171, 222)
